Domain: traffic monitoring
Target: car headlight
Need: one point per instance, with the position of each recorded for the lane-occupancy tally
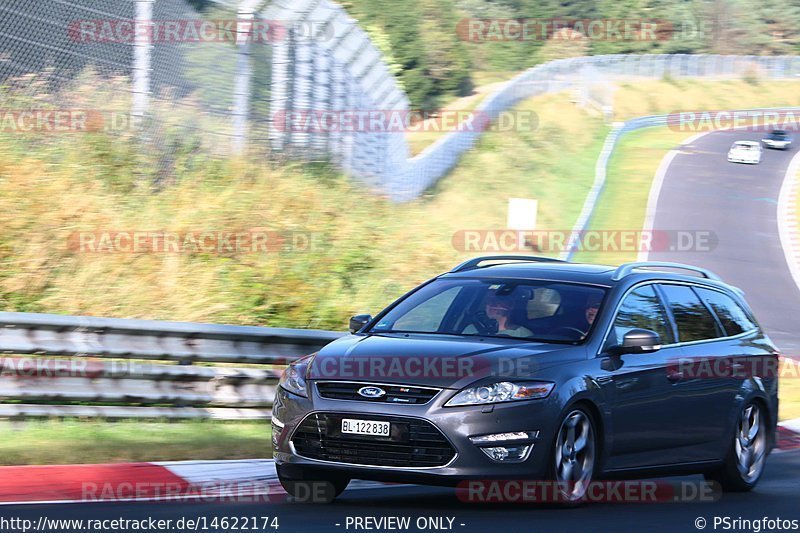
(293, 378)
(504, 391)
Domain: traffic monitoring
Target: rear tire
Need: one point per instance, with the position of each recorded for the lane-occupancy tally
(744, 461)
(311, 487)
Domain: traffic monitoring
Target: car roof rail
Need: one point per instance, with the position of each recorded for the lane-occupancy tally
(472, 264)
(628, 268)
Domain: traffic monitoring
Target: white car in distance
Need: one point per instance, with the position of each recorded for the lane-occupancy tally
(748, 152)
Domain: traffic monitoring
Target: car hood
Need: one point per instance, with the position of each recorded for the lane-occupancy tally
(443, 361)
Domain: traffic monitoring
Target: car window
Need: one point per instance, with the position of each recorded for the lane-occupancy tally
(641, 309)
(525, 309)
(428, 315)
(545, 302)
(733, 318)
(693, 319)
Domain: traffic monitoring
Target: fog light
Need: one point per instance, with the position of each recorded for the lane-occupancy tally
(505, 437)
(277, 429)
(508, 454)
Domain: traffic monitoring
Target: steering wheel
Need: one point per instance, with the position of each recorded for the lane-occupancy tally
(484, 324)
(569, 331)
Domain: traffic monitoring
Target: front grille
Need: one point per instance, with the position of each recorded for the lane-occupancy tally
(412, 443)
(405, 394)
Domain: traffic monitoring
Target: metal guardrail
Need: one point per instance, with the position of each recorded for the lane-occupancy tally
(118, 368)
(426, 168)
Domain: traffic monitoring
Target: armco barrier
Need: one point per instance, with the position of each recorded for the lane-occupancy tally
(425, 169)
(103, 367)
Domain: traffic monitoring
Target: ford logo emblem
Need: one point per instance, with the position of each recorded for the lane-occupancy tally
(371, 392)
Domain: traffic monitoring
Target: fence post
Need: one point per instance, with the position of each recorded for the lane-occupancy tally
(142, 63)
(244, 72)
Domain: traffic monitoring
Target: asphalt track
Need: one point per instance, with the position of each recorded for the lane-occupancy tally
(776, 497)
(701, 191)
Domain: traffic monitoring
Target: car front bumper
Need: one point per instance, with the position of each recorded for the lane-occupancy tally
(457, 424)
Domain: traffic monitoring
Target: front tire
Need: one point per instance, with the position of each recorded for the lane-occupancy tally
(574, 456)
(744, 462)
(305, 487)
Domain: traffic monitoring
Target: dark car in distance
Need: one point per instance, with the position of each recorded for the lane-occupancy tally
(778, 140)
(525, 368)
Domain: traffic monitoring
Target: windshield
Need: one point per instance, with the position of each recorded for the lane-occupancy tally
(744, 146)
(530, 310)
(779, 135)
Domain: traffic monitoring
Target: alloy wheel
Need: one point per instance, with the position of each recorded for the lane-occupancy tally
(574, 456)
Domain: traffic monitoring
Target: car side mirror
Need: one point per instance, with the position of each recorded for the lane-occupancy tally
(638, 341)
(359, 321)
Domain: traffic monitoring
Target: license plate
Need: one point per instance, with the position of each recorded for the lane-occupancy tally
(366, 427)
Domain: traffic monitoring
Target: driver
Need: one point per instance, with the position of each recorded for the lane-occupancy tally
(499, 310)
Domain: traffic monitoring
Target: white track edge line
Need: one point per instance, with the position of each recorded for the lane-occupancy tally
(787, 218)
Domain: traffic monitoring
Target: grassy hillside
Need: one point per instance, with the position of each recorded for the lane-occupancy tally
(366, 250)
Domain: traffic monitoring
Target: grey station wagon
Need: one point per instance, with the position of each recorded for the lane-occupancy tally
(530, 368)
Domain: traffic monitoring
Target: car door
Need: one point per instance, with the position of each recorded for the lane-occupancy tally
(702, 394)
(744, 353)
(642, 405)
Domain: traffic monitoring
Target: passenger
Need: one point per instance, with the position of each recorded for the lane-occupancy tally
(590, 311)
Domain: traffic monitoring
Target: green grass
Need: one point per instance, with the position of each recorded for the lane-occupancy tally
(366, 250)
(623, 203)
(79, 441)
(789, 394)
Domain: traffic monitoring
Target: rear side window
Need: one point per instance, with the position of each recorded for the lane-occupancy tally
(734, 319)
(641, 309)
(693, 319)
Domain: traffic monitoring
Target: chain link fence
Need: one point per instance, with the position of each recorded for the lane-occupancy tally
(62, 55)
(281, 78)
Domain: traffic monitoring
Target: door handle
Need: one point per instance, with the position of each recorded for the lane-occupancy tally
(675, 376)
